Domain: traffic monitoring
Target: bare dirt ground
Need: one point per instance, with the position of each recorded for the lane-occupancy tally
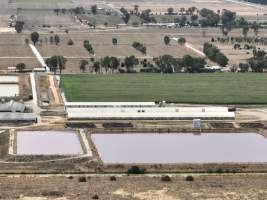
(47, 20)
(14, 50)
(25, 86)
(252, 114)
(55, 91)
(223, 187)
(102, 44)
(47, 86)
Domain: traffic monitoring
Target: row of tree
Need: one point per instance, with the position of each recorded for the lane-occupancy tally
(35, 38)
(214, 54)
(140, 47)
(88, 46)
(258, 63)
(161, 64)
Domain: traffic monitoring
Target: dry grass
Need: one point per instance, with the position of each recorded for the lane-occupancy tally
(228, 187)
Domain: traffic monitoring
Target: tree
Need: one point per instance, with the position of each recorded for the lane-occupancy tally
(61, 63)
(214, 54)
(192, 10)
(210, 18)
(193, 65)
(194, 18)
(126, 16)
(166, 64)
(52, 64)
(27, 41)
(146, 17)
(182, 10)
(56, 11)
(114, 41)
(183, 20)
(228, 18)
(51, 39)
(245, 31)
(57, 39)
(221, 59)
(255, 27)
(136, 8)
(130, 62)
(237, 46)
(94, 9)
(96, 66)
(83, 64)
(35, 37)
(140, 47)
(181, 41)
(56, 63)
(243, 67)
(111, 63)
(20, 67)
(167, 40)
(70, 42)
(170, 11)
(19, 26)
(115, 63)
(88, 46)
(106, 62)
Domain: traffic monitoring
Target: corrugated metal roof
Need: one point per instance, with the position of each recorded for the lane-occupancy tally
(16, 117)
(150, 113)
(12, 106)
(106, 104)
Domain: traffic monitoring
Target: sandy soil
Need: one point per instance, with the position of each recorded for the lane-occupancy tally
(224, 187)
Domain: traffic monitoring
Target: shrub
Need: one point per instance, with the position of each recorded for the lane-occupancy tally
(70, 42)
(20, 67)
(136, 170)
(53, 193)
(114, 41)
(167, 40)
(165, 178)
(95, 196)
(82, 179)
(189, 178)
(181, 41)
(113, 178)
(219, 170)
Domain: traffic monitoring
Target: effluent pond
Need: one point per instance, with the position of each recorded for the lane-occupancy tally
(181, 148)
(9, 79)
(48, 143)
(9, 90)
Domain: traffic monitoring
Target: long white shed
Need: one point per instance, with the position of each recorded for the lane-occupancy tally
(150, 113)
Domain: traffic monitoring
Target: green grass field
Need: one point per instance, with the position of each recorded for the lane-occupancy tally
(218, 88)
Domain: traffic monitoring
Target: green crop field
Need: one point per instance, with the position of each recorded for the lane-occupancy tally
(221, 88)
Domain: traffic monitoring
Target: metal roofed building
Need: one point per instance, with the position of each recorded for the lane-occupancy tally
(12, 106)
(108, 104)
(149, 113)
(17, 117)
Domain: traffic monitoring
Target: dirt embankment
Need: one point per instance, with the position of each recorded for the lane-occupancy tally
(25, 89)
